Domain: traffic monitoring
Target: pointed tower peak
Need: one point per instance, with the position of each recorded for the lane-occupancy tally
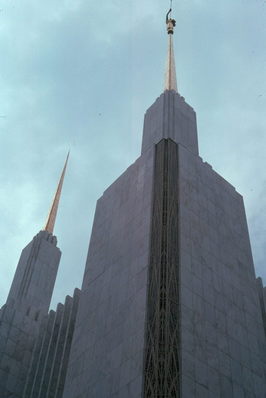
(170, 75)
(49, 226)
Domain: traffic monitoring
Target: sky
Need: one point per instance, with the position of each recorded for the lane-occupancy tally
(79, 75)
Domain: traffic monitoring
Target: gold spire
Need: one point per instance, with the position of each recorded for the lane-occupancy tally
(49, 226)
(170, 75)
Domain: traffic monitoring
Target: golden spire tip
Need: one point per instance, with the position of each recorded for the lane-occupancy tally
(170, 76)
(49, 226)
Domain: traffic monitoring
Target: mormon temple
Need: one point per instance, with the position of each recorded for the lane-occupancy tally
(170, 306)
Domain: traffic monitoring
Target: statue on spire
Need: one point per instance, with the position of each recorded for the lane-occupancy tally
(170, 76)
(170, 23)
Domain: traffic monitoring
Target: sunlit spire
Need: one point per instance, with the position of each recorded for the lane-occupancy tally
(49, 226)
(170, 75)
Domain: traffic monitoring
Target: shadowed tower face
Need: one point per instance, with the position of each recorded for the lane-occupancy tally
(169, 306)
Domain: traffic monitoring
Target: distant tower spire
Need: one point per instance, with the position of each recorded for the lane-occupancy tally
(49, 226)
(170, 75)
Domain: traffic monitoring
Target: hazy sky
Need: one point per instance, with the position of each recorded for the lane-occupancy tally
(80, 74)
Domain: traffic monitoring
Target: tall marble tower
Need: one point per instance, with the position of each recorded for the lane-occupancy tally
(31, 341)
(169, 305)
